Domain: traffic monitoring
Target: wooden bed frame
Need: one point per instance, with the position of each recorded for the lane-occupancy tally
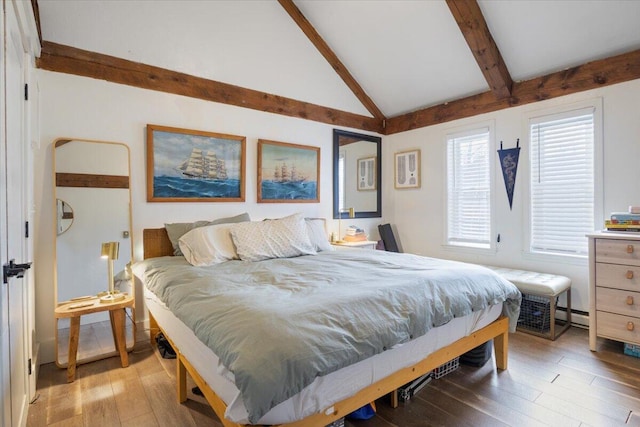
(156, 243)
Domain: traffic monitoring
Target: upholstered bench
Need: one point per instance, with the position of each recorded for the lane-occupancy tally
(540, 292)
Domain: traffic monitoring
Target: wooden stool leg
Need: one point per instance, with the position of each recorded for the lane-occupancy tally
(118, 329)
(553, 302)
(114, 328)
(74, 336)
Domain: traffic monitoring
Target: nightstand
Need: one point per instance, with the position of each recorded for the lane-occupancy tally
(73, 310)
(366, 244)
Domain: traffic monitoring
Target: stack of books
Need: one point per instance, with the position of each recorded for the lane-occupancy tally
(623, 221)
(355, 234)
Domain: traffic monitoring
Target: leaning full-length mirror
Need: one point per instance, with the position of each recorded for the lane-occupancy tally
(92, 206)
(356, 174)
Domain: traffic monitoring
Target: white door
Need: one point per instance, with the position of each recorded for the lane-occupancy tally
(15, 368)
(5, 383)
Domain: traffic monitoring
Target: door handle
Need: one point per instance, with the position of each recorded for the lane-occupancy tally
(14, 270)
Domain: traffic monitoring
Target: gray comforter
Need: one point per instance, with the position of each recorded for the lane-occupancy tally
(277, 324)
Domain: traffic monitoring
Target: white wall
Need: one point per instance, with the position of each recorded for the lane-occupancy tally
(419, 213)
(79, 107)
(86, 108)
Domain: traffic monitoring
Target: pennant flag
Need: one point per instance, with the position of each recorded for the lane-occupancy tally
(509, 165)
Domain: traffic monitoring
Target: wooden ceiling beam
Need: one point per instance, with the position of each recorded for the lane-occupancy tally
(70, 60)
(474, 28)
(591, 75)
(331, 57)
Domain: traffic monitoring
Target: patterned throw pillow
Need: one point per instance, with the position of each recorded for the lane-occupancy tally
(273, 238)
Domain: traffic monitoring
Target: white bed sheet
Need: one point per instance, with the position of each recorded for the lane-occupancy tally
(324, 391)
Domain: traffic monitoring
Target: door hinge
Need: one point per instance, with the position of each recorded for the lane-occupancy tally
(26, 229)
(29, 364)
(26, 91)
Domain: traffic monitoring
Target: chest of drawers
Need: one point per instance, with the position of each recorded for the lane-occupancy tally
(614, 287)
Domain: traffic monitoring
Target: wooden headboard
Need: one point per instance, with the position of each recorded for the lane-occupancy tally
(155, 243)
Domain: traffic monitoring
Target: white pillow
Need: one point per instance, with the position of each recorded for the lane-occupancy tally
(317, 234)
(208, 245)
(272, 238)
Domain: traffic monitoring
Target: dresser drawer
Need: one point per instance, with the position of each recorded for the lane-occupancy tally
(618, 251)
(617, 327)
(618, 276)
(618, 301)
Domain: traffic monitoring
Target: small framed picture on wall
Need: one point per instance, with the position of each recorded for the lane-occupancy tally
(367, 174)
(407, 169)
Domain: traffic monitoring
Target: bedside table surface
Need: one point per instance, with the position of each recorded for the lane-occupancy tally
(363, 244)
(90, 305)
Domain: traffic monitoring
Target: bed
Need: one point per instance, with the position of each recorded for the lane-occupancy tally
(336, 391)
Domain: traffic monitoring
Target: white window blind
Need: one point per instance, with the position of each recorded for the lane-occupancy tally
(562, 182)
(469, 189)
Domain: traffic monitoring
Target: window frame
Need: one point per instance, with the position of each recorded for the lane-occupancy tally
(342, 158)
(598, 161)
(476, 128)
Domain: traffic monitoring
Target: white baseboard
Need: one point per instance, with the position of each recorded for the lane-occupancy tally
(577, 319)
(580, 320)
(35, 366)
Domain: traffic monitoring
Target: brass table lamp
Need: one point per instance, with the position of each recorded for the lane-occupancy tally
(110, 252)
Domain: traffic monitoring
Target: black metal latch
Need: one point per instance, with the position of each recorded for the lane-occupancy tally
(14, 270)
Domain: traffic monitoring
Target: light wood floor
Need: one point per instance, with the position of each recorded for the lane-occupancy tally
(558, 383)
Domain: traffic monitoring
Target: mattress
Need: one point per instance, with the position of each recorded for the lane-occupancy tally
(326, 390)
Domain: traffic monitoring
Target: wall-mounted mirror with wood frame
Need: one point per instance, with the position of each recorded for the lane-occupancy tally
(92, 206)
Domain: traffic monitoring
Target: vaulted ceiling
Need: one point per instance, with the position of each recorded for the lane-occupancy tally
(382, 66)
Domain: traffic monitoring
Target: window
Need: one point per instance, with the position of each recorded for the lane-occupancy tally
(562, 182)
(469, 189)
(341, 179)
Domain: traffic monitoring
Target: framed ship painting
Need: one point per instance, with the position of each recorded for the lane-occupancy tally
(288, 173)
(194, 166)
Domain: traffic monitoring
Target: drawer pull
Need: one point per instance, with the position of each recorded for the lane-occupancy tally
(629, 300)
(629, 249)
(629, 274)
(630, 326)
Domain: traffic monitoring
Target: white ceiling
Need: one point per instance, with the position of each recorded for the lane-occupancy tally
(406, 55)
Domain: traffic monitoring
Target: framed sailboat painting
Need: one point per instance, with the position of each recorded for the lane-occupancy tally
(194, 166)
(288, 173)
